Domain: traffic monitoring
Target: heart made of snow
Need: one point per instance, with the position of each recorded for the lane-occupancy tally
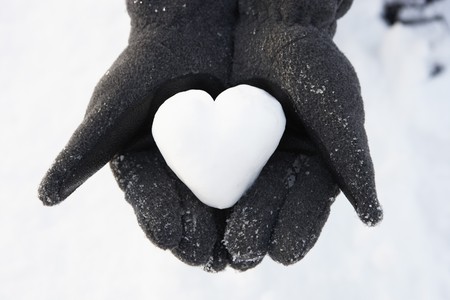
(218, 148)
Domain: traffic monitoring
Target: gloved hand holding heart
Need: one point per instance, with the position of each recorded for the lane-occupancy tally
(173, 131)
(218, 148)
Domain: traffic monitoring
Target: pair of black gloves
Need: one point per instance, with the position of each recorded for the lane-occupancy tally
(284, 47)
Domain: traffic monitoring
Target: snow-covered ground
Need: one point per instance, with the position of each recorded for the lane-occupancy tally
(90, 247)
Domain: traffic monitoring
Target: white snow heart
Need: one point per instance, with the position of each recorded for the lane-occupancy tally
(218, 148)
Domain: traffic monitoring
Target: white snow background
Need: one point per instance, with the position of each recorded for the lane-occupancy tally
(52, 53)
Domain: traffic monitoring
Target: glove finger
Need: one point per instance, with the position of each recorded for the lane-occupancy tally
(304, 212)
(151, 192)
(315, 82)
(219, 259)
(220, 256)
(250, 225)
(199, 232)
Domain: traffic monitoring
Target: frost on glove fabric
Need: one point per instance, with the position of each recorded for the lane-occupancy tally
(173, 46)
(286, 48)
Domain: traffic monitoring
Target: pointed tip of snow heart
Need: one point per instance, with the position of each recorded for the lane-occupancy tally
(218, 148)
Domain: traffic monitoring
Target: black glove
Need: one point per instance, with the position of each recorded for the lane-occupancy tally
(286, 48)
(173, 46)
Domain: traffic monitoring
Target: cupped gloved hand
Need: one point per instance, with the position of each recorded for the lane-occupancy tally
(286, 48)
(173, 46)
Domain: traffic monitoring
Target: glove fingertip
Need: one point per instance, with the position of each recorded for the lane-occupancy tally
(169, 238)
(370, 214)
(246, 265)
(49, 192)
(286, 259)
(166, 242)
(61, 180)
(218, 260)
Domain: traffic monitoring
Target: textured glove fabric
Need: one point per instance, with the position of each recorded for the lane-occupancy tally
(286, 48)
(173, 46)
